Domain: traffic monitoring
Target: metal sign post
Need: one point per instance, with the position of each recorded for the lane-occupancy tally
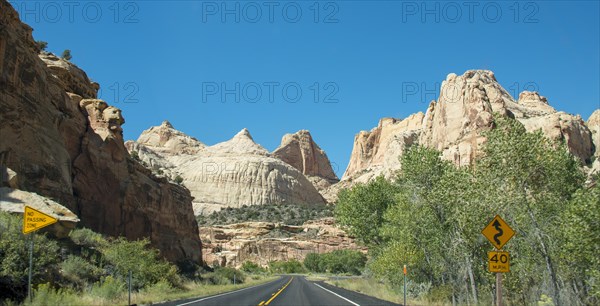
(129, 285)
(498, 289)
(404, 285)
(29, 293)
(498, 233)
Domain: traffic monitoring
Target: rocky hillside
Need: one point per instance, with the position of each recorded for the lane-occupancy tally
(239, 171)
(262, 242)
(65, 144)
(454, 124)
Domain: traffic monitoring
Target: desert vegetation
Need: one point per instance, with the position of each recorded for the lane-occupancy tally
(283, 213)
(90, 269)
(336, 262)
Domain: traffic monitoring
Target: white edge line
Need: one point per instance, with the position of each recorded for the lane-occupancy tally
(336, 294)
(226, 293)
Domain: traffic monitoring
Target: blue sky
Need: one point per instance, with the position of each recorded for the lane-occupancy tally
(354, 62)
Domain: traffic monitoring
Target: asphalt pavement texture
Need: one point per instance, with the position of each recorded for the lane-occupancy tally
(289, 290)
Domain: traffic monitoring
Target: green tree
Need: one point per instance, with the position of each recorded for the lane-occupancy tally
(42, 45)
(178, 179)
(433, 224)
(581, 233)
(529, 179)
(311, 262)
(66, 55)
(360, 209)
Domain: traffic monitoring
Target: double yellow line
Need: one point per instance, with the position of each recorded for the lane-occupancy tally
(263, 303)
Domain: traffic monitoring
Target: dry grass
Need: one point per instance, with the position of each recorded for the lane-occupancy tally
(160, 292)
(193, 289)
(376, 289)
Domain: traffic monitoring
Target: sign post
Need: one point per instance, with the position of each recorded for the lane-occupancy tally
(404, 285)
(498, 233)
(34, 220)
(30, 268)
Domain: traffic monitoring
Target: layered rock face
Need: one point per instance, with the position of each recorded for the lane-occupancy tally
(66, 145)
(229, 174)
(262, 242)
(301, 152)
(377, 148)
(594, 125)
(454, 124)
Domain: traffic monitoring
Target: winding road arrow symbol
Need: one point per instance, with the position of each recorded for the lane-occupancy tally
(497, 226)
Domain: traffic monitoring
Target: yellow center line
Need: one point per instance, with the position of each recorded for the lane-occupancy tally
(274, 295)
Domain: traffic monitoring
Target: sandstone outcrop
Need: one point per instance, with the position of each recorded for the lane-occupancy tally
(376, 150)
(262, 242)
(593, 124)
(228, 174)
(66, 145)
(454, 125)
(14, 201)
(301, 152)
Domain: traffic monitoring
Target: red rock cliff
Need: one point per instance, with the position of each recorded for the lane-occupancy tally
(67, 145)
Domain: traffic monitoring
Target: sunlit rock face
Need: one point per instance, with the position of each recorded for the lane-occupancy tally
(262, 242)
(233, 173)
(67, 145)
(454, 125)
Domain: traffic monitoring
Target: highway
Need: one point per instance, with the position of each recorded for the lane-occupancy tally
(291, 290)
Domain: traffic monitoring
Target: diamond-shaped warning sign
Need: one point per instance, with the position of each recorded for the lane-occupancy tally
(498, 232)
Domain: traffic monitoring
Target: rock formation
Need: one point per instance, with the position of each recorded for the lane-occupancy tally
(301, 152)
(14, 201)
(593, 124)
(228, 174)
(261, 242)
(66, 145)
(454, 124)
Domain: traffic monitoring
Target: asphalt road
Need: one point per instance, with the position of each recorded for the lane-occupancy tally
(287, 290)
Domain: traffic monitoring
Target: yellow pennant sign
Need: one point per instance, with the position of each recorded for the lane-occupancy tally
(498, 232)
(34, 219)
(499, 262)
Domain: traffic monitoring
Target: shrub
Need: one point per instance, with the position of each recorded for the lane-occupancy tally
(339, 261)
(229, 274)
(145, 264)
(311, 262)
(251, 267)
(87, 238)
(134, 155)
(66, 55)
(110, 288)
(14, 258)
(178, 179)
(41, 44)
(290, 266)
(79, 271)
(46, 295)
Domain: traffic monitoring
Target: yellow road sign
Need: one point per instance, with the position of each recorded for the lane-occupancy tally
(498, 232)
(34, 219)
(499, 261)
